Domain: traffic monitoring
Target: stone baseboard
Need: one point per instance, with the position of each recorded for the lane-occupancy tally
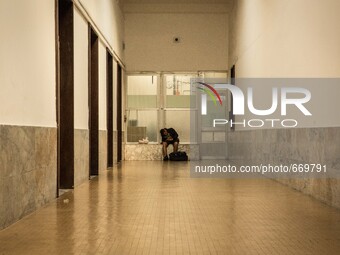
(154, 151)
(298, 146)
(28, 170)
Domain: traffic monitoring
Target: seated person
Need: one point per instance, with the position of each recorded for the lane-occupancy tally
(169, 136)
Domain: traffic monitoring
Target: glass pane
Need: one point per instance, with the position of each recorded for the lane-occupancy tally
(142, 92)
(142, 124)
(211, 136)
(213, 107)
(178, 91)
(180, 121)
(215, 111)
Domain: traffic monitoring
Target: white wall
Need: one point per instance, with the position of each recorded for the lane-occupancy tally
(109, 19)
(285, 38)
(81, 108)
(290, 39)
(150, 47)
(27, 63)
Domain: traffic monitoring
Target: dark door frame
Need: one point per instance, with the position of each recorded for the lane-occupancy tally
(65, 93)
(119, 114)
(93, 72)
(231, 113)
(109, 105)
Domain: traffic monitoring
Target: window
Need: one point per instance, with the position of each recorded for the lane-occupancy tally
(167, 100)
(142, 108)
(180, 105)
(212, 139)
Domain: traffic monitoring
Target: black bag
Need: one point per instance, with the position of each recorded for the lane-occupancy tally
(178, 156)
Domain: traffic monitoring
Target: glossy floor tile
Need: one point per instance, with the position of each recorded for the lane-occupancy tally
(156, 208)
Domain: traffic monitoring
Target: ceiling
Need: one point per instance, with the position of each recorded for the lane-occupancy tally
(175, 6)
(175, 1)
(186, 6)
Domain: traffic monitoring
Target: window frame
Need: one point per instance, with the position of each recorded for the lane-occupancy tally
(161, 102)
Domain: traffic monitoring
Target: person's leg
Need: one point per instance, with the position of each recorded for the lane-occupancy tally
(175, 146)
(165, 146)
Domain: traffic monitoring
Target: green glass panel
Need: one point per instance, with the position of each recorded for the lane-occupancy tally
(142, 101)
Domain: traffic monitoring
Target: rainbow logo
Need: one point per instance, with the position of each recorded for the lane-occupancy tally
(208, 89)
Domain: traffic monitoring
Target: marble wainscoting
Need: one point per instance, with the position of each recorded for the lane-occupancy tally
(28, 170)
(154, 151)
(81, 156)
(102, 150)
(297, 146)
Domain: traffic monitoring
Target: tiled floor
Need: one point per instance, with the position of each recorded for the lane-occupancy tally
(156, 208)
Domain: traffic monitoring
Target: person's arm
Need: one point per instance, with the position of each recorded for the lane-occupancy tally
(163, 136)
(173, 133)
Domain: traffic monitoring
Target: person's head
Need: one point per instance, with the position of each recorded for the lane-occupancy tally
(164, 131)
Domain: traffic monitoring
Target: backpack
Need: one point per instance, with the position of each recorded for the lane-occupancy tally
(178, 156)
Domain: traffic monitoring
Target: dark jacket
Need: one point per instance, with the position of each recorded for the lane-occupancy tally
(172, 132)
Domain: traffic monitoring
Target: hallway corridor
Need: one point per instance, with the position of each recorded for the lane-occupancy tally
(156, 208)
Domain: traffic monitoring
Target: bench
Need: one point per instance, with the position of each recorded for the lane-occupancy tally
(154, 151)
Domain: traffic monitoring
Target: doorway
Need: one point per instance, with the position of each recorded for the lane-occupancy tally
(65, 93)
(231, 113)
(119, 114)
(93, 100)
(109, 112)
